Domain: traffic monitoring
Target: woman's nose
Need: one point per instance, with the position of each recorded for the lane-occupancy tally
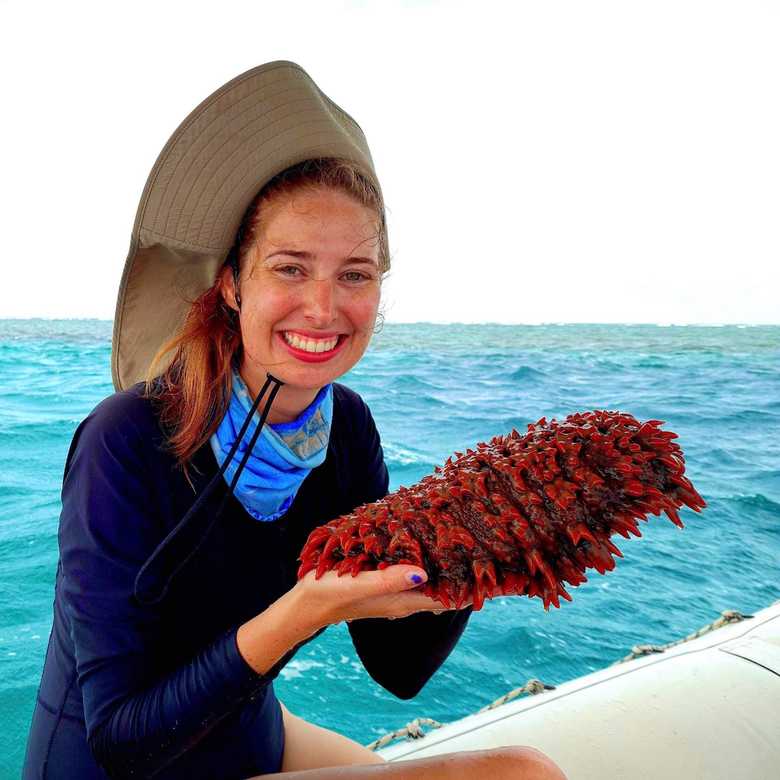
(321, 301)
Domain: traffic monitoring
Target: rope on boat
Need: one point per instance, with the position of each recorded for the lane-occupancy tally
(533, 687)
(726, 617)
(410, 731)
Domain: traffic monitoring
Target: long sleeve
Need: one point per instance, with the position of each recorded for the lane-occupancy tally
(424, 639)
(136, 723)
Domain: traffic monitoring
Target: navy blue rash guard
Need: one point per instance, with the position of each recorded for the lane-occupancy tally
(130, 690)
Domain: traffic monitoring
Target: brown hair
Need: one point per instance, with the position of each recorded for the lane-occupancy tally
(193, 392)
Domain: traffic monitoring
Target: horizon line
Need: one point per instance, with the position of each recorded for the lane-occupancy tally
(462, 322)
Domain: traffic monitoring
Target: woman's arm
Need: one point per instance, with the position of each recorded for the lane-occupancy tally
(139, 721)
(269, 636)
(149, 729)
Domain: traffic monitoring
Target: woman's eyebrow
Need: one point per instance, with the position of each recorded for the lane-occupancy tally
(291, 253)
(302, 255)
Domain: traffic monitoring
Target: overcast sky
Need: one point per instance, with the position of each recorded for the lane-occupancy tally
(542, 161)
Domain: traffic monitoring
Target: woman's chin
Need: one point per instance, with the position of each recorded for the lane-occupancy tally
(302, 378)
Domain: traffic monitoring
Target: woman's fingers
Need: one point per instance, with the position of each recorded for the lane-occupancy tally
(393, 579)
(391, 592)
(407, 604)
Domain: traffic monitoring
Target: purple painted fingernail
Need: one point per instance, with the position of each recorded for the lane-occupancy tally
(416, 579)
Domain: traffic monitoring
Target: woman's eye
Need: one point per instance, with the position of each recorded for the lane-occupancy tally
(295, 272)
(356, 276)
(288, 270)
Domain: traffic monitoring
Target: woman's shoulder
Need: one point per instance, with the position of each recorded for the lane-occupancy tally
(346, 396)
(125, 409)
(126, 420)
(351, 406)
(353, 424)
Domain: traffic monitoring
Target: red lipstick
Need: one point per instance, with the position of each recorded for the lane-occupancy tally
(314, 357)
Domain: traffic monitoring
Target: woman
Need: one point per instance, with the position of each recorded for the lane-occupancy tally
(184, 509)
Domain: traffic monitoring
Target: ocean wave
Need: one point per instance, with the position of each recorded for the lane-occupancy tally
(754, 502)
(525, 373)
(298, 668)
(398, 456)
(750, 417)
(14, 433)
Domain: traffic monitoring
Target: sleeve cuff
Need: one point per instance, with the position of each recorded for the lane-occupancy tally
(244, 676)
(241, 676)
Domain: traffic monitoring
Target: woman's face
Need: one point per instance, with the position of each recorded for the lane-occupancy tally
(310, 291)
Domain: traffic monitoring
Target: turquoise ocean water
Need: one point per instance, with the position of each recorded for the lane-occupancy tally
(434, 389)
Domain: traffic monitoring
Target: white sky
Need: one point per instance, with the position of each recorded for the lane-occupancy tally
(542, 161)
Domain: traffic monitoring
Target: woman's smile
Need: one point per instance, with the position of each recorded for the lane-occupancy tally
(313, 349)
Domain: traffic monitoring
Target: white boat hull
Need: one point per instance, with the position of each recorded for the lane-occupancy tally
(707, 708)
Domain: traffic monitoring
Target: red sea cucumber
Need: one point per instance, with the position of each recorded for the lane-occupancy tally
(521, 514)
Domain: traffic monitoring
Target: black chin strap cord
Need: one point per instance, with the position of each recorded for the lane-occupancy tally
(146, 595)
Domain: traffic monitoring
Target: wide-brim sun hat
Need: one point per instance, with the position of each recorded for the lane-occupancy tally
(240, 137)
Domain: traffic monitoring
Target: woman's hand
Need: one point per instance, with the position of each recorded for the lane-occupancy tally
(390, 593)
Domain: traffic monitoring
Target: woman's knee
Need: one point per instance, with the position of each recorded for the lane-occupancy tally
(510, 760)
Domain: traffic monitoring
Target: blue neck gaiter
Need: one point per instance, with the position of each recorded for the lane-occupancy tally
(283, 455)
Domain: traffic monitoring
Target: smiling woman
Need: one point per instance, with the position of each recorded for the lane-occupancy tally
(254, 276)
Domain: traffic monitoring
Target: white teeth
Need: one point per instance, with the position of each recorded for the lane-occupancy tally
(310, 345)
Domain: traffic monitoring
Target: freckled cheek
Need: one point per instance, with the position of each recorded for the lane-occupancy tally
(264, 315)
(364, 312)
(366, 317)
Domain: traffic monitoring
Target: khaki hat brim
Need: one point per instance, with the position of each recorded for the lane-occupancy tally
(220, 156)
